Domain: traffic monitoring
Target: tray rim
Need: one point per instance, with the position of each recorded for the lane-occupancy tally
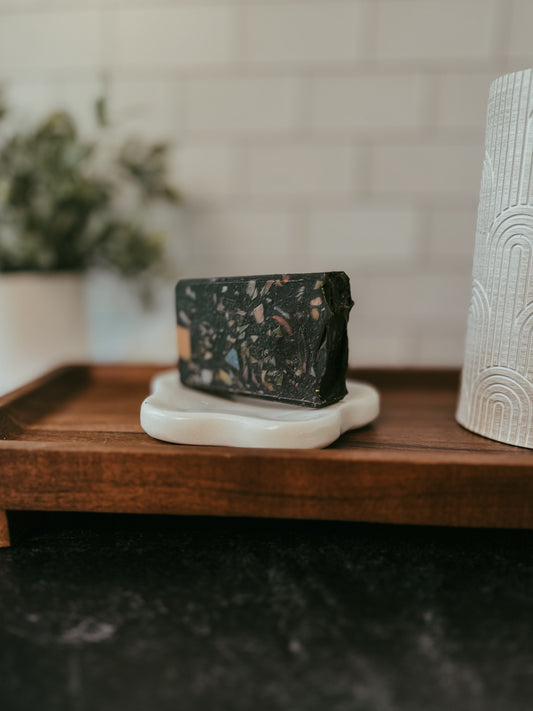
(503, 476)
(508, 454)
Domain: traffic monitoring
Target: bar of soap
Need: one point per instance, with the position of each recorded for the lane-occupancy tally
(280, 337)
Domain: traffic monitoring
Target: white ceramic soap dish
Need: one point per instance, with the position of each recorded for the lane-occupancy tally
(175, 413)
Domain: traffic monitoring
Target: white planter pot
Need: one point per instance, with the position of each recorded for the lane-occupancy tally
(42, 324)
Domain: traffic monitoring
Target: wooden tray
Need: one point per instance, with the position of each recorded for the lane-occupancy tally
(71, 441)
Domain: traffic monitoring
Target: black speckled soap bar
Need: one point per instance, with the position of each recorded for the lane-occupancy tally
(281, 337)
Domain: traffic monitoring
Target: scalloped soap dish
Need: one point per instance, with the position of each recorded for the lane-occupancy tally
(175, 413)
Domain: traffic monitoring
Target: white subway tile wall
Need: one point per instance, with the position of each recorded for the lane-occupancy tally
(368, 103)
(185, 35)
(318, 33)
(296, 168)
(306, 135)
(435, 31)
(51, 41)
(243, 105)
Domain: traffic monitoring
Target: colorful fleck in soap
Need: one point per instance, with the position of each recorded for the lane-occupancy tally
(281, 337)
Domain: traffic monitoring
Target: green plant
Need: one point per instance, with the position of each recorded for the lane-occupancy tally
(68, 203)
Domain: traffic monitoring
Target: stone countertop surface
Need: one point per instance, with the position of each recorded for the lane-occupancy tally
(115, 612)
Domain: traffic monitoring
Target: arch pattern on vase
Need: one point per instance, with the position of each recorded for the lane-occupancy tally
(508, 282)
(524, 345)
(502, 407)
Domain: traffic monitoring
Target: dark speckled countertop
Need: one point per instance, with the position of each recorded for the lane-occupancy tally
(126, 612)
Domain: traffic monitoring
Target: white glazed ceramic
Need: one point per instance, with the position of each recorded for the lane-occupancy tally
(496, 398)
(175, 413)
(42, 324)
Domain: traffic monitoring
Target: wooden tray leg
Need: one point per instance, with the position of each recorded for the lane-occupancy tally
(5, 540)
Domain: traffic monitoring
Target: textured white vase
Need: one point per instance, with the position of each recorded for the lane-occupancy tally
(42, 324)
(496, 398)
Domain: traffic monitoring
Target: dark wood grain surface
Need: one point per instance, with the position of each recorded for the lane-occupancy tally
(72, 441)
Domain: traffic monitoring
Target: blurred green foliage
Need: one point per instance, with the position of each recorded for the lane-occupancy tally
(67, 203)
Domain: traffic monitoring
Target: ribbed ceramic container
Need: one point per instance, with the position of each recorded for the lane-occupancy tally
(496, 397)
